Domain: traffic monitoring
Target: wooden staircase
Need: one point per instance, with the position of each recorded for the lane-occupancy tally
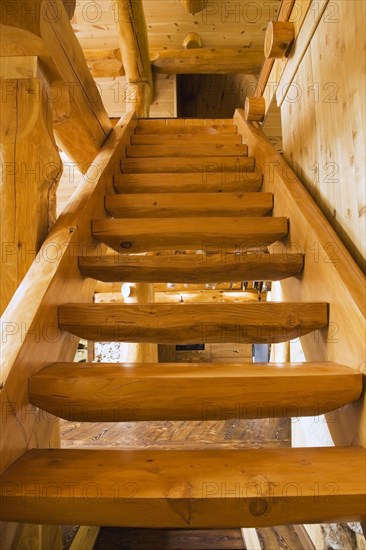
(192, 188)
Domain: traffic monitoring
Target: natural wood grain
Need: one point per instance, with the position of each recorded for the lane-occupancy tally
(85, 538)
(88, 125)
(112, 538)
(183, 139)
(335, 141)
(133, 39)
(144, 352)
(165, 435)
(215, 129)
(288, 536)
(202, 164)
(283, 15)
(206, 181)
(181, 205)
(255, 108)
(193, 323)
(204, 296)
(214, 234)
(30, 334)
(50, 537)
(183, 488)
(301, 44)
(251, 539)
(168, 24)
(192, 40)
(193, 6)
(279, 39)
(115, 393)
(295, 11)
(330, 274)
(31, 168)
(192, 268)
(208, 60)
(102, 63)
(186, 150)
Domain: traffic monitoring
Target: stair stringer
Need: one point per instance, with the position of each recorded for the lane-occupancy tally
(30, 331)
(330, 274)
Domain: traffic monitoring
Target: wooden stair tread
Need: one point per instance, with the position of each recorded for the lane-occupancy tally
(190, 164)
(90, 392)
(141, 128)
(191, 268)
(188, 182)
(251, 322)
(132, 235)
(161, 139)
(189, 205)
(220, 488)
(186, 150)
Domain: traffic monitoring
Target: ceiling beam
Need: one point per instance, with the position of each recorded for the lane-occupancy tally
(104, 63)
(208, 60)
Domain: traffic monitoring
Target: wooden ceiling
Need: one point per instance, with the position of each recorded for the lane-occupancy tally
(221, 23)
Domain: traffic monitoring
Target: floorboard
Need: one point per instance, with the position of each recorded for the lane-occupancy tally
(113, 538)
(235, 434)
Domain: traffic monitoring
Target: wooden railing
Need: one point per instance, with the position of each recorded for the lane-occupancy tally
(30, 334)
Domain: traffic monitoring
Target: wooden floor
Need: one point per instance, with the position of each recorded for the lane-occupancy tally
(235, 434)
(114, 538)
(190, 435)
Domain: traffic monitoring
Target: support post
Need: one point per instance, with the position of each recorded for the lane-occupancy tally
(134, 47)
(31, 167)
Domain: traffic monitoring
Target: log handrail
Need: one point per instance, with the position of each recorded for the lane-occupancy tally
(28, 333)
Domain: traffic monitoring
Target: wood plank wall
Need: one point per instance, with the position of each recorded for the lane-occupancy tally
(323, 121)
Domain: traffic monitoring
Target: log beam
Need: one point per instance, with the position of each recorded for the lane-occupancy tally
(262, 322)
(89, 392)
(48, 33)
(278, 39)
(209, 234)
(134, 47)
(31, 167)
(188, 489)
(188, 205)
(208, 60)
(191, 268)
(255, 109)
(192, 58)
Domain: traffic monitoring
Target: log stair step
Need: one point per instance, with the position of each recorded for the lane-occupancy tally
(200, 164)
(183, 205)
(184, 150)
(191, 268)
(251, 322)
(183, 139)
(189, 182)
(186, 489)
(143, 235)
(97, 392)
(220, 129)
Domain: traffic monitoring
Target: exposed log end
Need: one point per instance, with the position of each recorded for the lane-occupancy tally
(279, 39)
(194, 6)
(191, 41)
(255, 108)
